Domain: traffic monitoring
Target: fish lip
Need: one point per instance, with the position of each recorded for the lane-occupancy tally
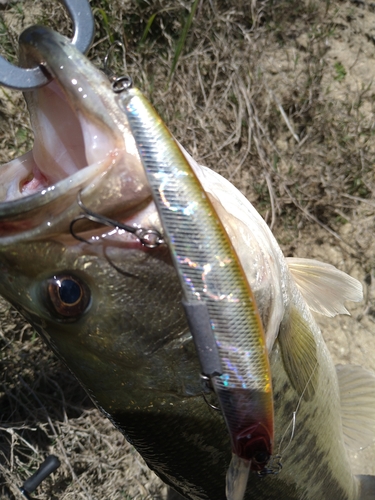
(91, 107)
(85, 87)
(44, 197)
(115, 182)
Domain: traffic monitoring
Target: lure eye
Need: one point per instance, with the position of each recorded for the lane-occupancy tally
(261, 457)
(69, 296)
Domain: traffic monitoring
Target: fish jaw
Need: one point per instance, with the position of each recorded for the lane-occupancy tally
(80, 119)
(82, 145)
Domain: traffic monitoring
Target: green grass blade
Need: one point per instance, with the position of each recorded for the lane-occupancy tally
(182, 39)
(148, 27)
(106, 23)
(151, 21)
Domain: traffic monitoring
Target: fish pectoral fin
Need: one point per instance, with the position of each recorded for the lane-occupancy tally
(324, 287)
(298, 349)
(357, 396)
(366, 487)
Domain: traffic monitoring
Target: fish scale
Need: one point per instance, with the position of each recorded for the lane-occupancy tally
(209, 272)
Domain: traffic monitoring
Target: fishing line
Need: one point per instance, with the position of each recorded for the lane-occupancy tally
(294, 417)
(275, 465)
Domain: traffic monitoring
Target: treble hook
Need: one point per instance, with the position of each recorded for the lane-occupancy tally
(106, 66)
(274, 466)
(207, 387)
(121, 83)
(150, 238)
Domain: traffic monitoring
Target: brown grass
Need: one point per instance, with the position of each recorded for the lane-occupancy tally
(278, 97)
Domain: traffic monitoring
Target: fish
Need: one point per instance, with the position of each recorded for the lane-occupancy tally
(76, 263)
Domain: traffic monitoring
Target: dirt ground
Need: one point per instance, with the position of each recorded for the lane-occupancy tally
(278, 96)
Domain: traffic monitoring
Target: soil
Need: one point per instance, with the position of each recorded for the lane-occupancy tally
(278, 96)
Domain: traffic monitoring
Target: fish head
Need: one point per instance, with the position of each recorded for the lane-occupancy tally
(83, 150)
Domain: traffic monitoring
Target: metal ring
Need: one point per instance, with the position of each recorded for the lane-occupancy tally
(121, 83)
(150, 238)
(27, 79)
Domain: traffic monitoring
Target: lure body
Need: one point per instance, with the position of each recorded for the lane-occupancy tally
(210, 272)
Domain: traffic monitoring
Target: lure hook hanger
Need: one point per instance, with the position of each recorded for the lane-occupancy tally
(29, 78)
(150, 238)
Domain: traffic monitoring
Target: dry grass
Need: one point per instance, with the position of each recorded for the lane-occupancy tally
(277, 96)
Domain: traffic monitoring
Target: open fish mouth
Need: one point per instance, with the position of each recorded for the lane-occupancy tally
(83, 144)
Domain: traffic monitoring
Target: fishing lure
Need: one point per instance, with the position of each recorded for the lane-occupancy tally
(217, 296)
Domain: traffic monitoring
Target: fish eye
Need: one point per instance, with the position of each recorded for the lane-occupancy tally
(69, 296)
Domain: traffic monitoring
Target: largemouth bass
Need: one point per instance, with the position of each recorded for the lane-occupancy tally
(110, 305)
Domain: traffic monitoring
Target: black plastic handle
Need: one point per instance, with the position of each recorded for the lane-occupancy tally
(49, 465)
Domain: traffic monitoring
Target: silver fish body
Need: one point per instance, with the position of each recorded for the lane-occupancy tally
(111, 308)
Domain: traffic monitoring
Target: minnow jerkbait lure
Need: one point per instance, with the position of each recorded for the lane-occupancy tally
(211, 277)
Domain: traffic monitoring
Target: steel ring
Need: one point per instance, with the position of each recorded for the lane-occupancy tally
(26, 79)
